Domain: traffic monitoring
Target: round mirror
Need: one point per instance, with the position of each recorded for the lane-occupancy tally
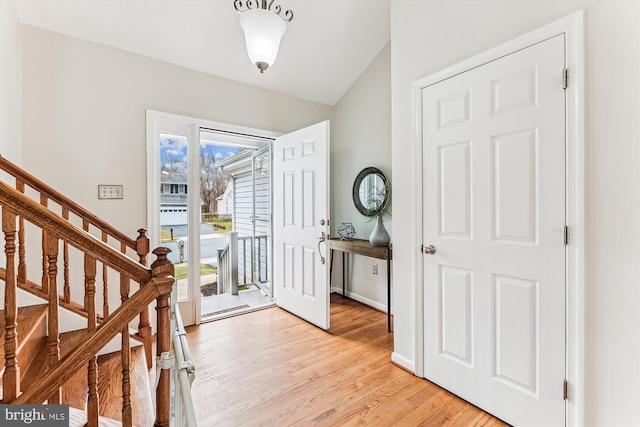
(371, 192)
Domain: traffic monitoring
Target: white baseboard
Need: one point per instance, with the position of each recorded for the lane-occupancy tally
(406, 363)
(371, 303)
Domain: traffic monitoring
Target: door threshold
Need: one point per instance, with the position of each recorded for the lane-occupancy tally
(237, 312)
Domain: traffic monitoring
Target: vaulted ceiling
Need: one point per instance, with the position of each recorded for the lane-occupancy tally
(327, 46)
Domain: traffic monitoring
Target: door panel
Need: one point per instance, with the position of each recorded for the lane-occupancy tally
(455, 184)
(494, 208)
(515, 176)
(301, 226)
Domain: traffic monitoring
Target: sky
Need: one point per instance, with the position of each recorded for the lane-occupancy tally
(176, 145)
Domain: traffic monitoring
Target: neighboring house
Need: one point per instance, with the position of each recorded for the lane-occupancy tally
(173, 198)
(173, 202)
(225, 202)
(251, 219)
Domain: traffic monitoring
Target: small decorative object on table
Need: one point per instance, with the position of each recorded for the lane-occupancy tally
(346, 231)
(379, 236)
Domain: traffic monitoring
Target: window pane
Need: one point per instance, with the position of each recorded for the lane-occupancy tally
(174, 218)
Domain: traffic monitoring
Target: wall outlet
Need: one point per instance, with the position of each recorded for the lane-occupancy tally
(110, 192)
(374, 268)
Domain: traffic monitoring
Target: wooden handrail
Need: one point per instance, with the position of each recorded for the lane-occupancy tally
(50, 193)
(76, 237)
(94, 341)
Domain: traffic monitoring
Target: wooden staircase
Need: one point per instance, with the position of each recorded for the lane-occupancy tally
(39, 364)
(33, 353)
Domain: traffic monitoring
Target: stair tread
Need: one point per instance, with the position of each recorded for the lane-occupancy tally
(78, 418)
(74, 391)
(68, 341)
(110, 387)
(29, 317)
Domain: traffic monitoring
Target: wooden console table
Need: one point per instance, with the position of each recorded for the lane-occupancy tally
(363, 247)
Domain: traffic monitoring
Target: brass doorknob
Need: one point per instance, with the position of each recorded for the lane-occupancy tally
(430, 250)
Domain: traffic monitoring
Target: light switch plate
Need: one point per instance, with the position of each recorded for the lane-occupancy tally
(110, 192)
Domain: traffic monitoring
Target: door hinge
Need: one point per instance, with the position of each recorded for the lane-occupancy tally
(421, 249)
(565, 390)
(566, 235)
(565, 78)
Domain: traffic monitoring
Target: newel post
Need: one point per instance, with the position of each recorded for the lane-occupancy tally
(162, 273)
(144, 327)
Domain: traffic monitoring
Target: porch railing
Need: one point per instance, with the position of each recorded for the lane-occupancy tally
(249, 258)
(228, 266)
(236, 262)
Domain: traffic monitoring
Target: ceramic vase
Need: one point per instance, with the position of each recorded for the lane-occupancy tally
(379, 236)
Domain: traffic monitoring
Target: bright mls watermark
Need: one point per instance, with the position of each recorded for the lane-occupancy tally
(34, 415)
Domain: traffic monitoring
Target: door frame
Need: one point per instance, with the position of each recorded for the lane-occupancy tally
(572, 27)
(157, 120)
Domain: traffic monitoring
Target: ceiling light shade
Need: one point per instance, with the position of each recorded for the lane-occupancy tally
(263, 29)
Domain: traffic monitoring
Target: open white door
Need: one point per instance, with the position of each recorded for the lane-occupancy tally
(301, 223)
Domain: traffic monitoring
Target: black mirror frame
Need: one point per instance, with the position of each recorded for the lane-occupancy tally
(356, 191)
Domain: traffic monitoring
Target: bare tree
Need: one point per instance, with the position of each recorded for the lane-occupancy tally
(213, 181)
(172, 163)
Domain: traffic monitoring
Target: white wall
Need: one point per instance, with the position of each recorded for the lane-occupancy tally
(361, 137)
(430, 35)
(84, 116)
(10, 82)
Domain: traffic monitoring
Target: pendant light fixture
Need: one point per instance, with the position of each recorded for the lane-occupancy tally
(263, 27)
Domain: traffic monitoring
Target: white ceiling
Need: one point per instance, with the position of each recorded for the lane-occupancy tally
(327, 46)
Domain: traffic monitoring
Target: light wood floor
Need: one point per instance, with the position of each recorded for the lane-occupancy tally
(269, 368)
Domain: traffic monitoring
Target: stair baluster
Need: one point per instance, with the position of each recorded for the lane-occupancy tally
(22, 262)
(92, 320)
(144, 327)
(105, 284)
(11, 377)
(125, 355)
(44, 201)
(65, 255)
(52, 244)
